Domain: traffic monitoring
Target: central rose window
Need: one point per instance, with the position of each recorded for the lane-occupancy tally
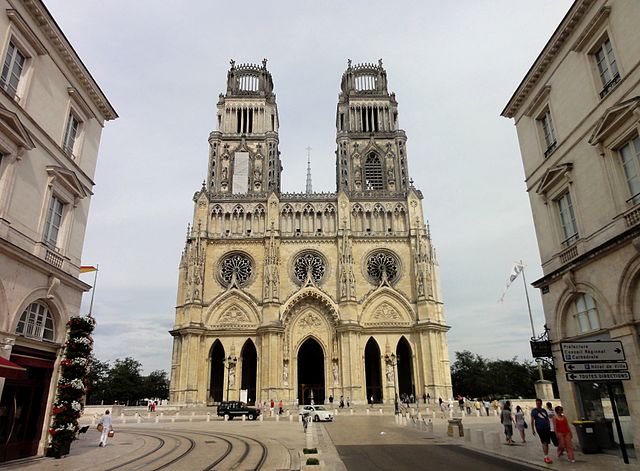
(381, 265)
(238, 266)
(309, 264)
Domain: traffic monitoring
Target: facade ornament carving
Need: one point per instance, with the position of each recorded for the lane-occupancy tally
(234, 315)
(385, 312)
(272, 268)
(347, 278)
(285, 373)
(335, 373)
(193, 260)
(310, 321)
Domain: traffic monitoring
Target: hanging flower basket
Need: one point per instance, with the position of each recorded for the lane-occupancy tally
(70, 391)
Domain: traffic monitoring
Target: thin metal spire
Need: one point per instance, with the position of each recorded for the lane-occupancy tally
(309, 189)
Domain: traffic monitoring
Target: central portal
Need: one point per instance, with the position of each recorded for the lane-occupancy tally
(310, 372)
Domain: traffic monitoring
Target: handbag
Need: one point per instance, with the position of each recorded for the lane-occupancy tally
(111, 434)
(525, 425)
(100, 427)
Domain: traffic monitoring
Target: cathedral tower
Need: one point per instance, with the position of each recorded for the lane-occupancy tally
(299, 296)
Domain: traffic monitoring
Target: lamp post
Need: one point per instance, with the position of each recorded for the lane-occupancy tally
(231, 363)
(392, 359)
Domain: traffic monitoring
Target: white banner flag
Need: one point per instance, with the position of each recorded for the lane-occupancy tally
(517, 269)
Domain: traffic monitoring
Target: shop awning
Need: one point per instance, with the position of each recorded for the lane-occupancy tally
(10, 370)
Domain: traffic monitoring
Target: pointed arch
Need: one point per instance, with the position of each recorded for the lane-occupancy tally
(404, 354)
(386, 306)
(249, 370)
(373, 370)
(373, 172)
(232, 309)
(216, 376)
(311, 371)
(312, 296)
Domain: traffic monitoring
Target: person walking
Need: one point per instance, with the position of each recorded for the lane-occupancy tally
(331, 399)
(552, 414)
(424, 398)
(506, 418)
(486, 405)
(521, 423)
(541, 425)
(280, 407)
(107, 425)
(341, 406)
(563, 432)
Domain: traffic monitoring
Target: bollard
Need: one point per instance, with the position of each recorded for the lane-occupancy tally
(226, 417)
(477, 413)
(395, 416)
(335, 412)
(450, 414)
(191, 419)
(208, 416)
(433, 415)
(367, 411)
(351, 411)
(161, 414)
(380, 411)
(467, 435)
(419, 415)
(430, 427)
(261, 418)
(148, 415)
(277, 417)
(478, 437)
(290, 418)
(138, 419)
(122, 415)
(124, 421)
(271, 412)
(173, 419)
(299, 418)
(157, 419)
(244, 417)
(494, 440)
(428, 411)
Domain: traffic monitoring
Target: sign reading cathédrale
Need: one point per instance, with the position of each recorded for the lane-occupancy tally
(607, 350)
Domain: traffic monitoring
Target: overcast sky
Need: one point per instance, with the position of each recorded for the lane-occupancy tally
(453, 66)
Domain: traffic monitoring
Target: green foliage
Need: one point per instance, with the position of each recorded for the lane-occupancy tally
(311, 461)
(309, 451)
(474, 376)
(123, 382)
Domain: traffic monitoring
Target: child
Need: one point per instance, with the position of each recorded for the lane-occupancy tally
(563, 432)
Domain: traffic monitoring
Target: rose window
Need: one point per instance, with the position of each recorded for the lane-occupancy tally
(235, 265)
(383, 265)
(309, 263)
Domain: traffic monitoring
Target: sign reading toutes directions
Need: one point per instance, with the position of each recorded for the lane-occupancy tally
(610, 350)
(599, 376)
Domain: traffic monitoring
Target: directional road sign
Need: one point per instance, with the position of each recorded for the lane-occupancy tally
(575, 367)
(609, 350)
(599, 376)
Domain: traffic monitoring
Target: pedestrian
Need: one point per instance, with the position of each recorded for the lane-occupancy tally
(341, 406)
(348, 401)
(521, 423)
(428, 398)
(443, 408)
(280, 407)
(412, 398)
(486, 404)
(297, 403)
(540, 424)
(467, 404)
(478, 407)
(506, 418)
(331, 399)
(563, 432)
(153, 406)
(461, 403)
(551, 412)
(105, 426)
(371, 401)
(496, 406)
(424, 398)
(395, 403)
(273, 405)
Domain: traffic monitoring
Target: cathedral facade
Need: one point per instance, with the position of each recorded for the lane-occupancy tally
(299, 296)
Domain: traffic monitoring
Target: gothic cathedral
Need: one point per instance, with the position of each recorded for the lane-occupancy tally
(299, 296)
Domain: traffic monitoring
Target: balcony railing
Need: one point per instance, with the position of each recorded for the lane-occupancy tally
(53, 259)
(610, 85)
(632, 217)
(569, 254)
(550, 149)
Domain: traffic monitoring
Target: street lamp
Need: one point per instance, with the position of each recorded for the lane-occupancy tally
(392, 359)
(231, 363)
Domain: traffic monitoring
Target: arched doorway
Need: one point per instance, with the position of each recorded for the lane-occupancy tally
(249, 370)
(216, 385)
(373, 371)
(310, 372)
(405, 368)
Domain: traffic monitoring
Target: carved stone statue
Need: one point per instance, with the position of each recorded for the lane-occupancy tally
(389, 373)
(285, 373)
(335, 373)
(232, 376)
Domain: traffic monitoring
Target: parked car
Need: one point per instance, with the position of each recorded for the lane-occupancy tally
(237, 409)
(317, 413)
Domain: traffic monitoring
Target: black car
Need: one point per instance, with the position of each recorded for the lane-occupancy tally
(237, 409)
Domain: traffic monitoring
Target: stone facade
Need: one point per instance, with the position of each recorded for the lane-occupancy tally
(577, 115)
(51, 117)
(296, 296)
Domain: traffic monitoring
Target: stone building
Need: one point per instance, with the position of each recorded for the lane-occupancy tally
(306, 295)
(577, 114)
(51, 117)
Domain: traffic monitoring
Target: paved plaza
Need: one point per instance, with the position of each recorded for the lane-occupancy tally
(358, 440)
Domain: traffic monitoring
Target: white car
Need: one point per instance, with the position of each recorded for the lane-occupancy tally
(317, 413)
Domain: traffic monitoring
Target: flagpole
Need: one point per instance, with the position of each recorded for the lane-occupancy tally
(533, 330)
(93, 291)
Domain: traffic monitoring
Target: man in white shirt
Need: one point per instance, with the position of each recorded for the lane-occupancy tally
(551, 412)
(106, 422)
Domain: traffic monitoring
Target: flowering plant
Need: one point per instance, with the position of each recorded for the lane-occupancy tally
(70, 393)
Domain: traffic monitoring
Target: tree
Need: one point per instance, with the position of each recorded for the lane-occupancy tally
(156, 385)
(97, 380)
(125, 382)
(469, 374)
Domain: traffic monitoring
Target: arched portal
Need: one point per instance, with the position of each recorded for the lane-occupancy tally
(405, 368)
(249, 370)
(216, 385)
(310, 372)
(373, 371)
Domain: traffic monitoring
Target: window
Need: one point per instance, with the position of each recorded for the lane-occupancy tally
(567, 219)
(630, 157)
(12, 69)
(373, 172)
(587, 314)
(54, 221)
(70, 134)
(549, 133)
(36, 322)
(607, 67)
